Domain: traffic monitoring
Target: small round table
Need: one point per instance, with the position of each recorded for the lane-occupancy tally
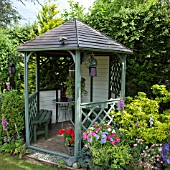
(64, 109)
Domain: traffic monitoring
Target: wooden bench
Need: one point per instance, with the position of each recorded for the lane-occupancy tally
(40, 123)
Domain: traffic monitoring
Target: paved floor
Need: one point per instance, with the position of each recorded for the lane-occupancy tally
(55, 142)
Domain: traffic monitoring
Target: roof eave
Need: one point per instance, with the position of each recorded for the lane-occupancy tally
(73, 48)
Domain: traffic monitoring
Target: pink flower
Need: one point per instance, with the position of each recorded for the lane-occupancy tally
(108, 126)
(97, 130)
(112, 142)
(95, 124)
(85, 136)
(108, 137)
(117, 140)
(91, 133)
(114, 134)
(160, 150)
(135, 144)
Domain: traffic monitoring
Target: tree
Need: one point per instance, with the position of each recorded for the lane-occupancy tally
(8, 13)
(76, 10)
(48, 17)
(10, 39)
(143, 28)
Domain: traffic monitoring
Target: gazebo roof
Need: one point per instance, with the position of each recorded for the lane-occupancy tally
(79, 36)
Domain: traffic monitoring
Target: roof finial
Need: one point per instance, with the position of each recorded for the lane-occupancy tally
(75, 18)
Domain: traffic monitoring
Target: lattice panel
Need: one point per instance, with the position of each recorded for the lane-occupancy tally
(53, 71)
(97, 112)
(33, 105)
(115, 75)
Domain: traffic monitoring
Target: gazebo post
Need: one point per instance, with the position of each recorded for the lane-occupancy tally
(26, 99)
(123, 76)
(77, 143)
(37, 80)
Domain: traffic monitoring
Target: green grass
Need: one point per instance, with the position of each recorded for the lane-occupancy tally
(12, 163)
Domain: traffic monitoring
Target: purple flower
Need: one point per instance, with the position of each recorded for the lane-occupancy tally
(111, 139)
(104, 136)
(122, 104)
(103, 141)
(4, 124)
(96, 136)
(5, 139)
(89, 139)
(137, 123)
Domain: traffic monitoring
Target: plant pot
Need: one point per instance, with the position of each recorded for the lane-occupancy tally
(70, 150)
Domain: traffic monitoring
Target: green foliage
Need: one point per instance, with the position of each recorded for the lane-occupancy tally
(61, 163)
(47, 17)
(8, 14)
(70, 86)
(13, 111)
(144, 27)
(10, 39)
(110, 157)
(76, 10)
(143, 120)
(14, 144)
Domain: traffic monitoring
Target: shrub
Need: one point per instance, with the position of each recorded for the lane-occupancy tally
(142, 118)
(13, 110)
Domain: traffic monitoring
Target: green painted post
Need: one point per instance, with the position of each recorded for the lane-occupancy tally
(26, 100)
(77, 143)
(123, 77)
(37, 80)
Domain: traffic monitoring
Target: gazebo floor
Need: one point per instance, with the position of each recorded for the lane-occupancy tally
(55, 142)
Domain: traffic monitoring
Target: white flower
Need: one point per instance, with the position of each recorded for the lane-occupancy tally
(109, 129)
(113, 131)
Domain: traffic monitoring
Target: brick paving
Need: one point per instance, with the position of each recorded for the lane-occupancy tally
(55, 142)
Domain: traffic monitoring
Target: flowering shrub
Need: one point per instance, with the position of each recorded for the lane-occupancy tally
(166, 153)
(69, 136)
(101, 134)
(145, 156)
(12, 144)
(141, 118)
(106, 142)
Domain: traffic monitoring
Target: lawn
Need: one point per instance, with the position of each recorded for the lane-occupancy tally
(13, 163)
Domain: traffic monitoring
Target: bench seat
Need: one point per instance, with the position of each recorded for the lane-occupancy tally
(41, 122)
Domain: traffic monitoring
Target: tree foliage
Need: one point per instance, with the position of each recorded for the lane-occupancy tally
(10, 39)
(48, 17)
(8, 13)
(146, 30)
(76, 10)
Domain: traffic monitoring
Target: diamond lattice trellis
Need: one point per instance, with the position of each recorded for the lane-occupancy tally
(97, 112)
(115, 75)
(33, 105)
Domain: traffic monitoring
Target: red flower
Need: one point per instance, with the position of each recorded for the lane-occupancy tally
(61, 132)
(72, 134)
(69, 135)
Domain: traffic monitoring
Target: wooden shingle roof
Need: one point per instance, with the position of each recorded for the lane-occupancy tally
(79, 36)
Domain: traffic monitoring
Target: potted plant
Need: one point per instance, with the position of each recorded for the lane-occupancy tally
(69, 139)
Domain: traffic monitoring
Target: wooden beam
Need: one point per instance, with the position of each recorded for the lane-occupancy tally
(123, 76)
(26, 59)
(77, 143)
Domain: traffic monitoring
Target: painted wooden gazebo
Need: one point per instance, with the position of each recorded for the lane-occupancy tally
(76, 39)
